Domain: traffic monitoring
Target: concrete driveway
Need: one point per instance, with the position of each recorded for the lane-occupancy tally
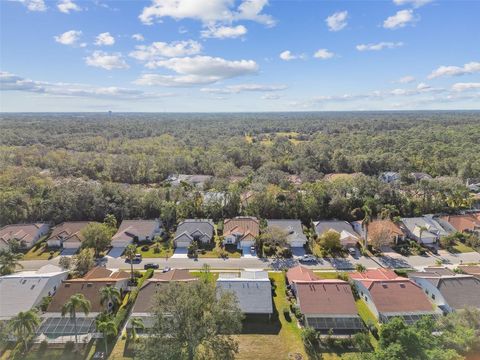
(116, 252)
(180, 253)
(298, 252)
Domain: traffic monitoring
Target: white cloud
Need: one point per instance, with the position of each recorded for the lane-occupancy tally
(159, 50)
(401, 19)
(323, 54)
(106, 61)
(414, 3)
(469, 68)
(465, 86)
(379, 46)
(198, 70)
(287, 55)
(12, 82)
(104, 39)
(271, 97)
(234, 89)
(34, 5)
(138, 37)
(65, 6)
(406, 79)
(337, 21)
(224, 32)
(208, 12)
(70, 38)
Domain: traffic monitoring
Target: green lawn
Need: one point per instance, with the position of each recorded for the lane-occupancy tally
(40, 251)
(327, 274)
(165, 250)
(215, 252)
(365, 313)
(462, 248)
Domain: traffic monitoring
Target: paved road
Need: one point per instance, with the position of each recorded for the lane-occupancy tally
(392, 260)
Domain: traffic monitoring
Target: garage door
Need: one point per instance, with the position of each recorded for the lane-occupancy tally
(183, 244)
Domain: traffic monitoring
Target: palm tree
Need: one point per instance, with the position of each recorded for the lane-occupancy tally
(107, 328)
(360, 268)
(110, 297)
(130, 252)
(136, 323)
(24, 325)
(9, 261)
(422, 229)
(367, 218)
(76, 302)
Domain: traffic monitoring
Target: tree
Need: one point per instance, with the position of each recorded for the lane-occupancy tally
(9, 261)
(360, 268)
(422, 229)
(107, 328)
(130, 253)
(275, 238)
(380, 236)
(83, 261)
(367, 218)
(330, 241)
(24, 325)
(136, 324)
(97, 236)
(111, 221)
(65, 262)
(192, 322)
(388, 212)
(77, 302)
(110, 297)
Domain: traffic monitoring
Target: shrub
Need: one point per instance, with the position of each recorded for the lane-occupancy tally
(286, 313)
(156, 249)
(69, 346)
(43, 346)
(145, 248)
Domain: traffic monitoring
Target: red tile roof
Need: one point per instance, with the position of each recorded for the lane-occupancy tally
(300, 273)
(248, 226)
(333, 297)
(463, 222)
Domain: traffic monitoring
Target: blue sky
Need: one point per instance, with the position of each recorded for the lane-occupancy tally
(245, 55)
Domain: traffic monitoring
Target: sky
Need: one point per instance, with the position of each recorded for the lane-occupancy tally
(238, 55)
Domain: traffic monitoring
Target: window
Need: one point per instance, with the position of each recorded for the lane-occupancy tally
(433, 296)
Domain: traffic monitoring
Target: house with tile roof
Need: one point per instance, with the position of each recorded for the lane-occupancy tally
(26, 234)
(450, 292)
(143, 305)
(24, 290)
(396, 234)
(140, 230)
(193, 230)
(470, 270)
(464, 223)
(68, 235)
(300, 273)
(241, 231)
(293, 229)
(348, 236)
(328, 305)
(252, 289)
(388, 295)
(58, 328)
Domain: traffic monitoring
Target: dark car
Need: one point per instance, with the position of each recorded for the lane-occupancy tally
(150, 266)
(99, 355)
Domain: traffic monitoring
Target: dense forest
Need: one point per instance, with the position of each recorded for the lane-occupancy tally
(59, 167)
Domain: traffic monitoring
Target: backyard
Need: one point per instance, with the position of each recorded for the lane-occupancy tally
(40, 251)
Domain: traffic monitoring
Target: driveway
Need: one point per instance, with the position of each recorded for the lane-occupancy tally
(298, 252)
(180, 253)
(68, 252)
(116, 252)
(247, 253)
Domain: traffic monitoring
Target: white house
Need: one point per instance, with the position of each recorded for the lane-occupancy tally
(293, 228)
(26, 234)
(241, 231)
(193, 230)
(141, 230)
(67, 235)
(425, 229)
(23, 290)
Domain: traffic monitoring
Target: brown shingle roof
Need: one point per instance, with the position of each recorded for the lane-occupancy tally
(249, 226)
(132, 228)
(470, 269)
(300, 273)
(173, 275)
(26, 232)
(378, 225)
(69, 229)
(333, 297)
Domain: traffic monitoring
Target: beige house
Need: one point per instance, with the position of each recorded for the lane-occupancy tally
(26, 234)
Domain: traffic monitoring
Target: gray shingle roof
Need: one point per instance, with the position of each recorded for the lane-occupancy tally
(254, 293)
(292, 227)
(189, 226)
(460, 291)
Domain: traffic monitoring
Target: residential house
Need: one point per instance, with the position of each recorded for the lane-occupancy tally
(143, 305)
(348, 236)
(424, 229)
(252, 289)
(293, 229)
(60, 329)
(197, 181)
(193, 229)
(68, 235)
(388, 295)
(389, 177)
(328, 305)
(136, 230)
(464, 223)
(470, 270)
(450, 292)
(26, 234)
(300, 273)
(241, 231)
(376, 226)
(24, 290)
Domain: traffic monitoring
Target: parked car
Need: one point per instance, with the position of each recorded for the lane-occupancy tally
(99, 355)
(308, 258)
(352, 251)
(150, 266)
(166, 269)
(252, 250)
(136, 259)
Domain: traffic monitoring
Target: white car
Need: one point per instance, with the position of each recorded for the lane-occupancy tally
(308, 258)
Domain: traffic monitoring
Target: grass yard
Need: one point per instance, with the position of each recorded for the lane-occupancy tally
(40, 251)
(165, 250)
(51, 354)
(462, 248)
(327, 274)
(365, 313)
(275, 340)
(215, 252)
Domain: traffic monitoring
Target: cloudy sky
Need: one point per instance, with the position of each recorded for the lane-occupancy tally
(244, 55)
